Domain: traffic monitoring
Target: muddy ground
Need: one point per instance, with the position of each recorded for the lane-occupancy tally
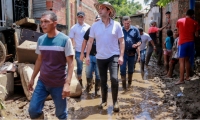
(150, 97)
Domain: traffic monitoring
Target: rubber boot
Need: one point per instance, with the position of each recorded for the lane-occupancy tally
(114, 97)
(142, 66)
(89, 85)
(97, 86)
(80, 81)
(129, 79)
(104, 94)
(123, 78)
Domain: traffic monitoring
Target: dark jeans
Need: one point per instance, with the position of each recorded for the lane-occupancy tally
(150, 51)
(131, 64)
(39, 96)
(111, 64)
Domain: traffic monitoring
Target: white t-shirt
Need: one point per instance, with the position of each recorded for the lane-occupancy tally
(77, 32)
(145, 39)
(106, 38)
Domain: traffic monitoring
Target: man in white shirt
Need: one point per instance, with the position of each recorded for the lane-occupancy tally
(142, 54)
(76, 34)
(110, 50)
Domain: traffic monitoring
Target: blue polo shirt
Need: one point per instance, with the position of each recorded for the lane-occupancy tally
(132, 36)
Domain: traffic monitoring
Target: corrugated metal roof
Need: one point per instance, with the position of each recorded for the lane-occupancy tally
(39, 6)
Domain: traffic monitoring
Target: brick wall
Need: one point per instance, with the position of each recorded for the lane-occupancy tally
(59, 7)
(178, 9)
(87, 6)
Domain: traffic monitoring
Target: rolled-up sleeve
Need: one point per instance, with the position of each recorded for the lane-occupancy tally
(92, 34)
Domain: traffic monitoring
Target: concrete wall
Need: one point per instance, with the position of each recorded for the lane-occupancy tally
(137, 20)
(153, 14)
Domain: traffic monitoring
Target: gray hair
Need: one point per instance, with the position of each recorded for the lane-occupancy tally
(53, 16)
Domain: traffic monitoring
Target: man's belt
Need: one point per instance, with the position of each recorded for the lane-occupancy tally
(130, 53)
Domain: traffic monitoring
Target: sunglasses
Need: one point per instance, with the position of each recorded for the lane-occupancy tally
(80, 16)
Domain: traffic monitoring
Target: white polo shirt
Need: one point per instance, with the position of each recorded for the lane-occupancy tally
(145, 39)
(106, 37)
(77, 32)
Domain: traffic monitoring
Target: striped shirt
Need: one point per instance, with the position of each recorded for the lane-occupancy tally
(54, 52)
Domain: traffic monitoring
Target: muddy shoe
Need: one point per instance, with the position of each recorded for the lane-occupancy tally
(41, 117)
(103, 104)
(116, 107)
(88, 88)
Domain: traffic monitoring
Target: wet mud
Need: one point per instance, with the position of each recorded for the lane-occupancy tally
(151, 96)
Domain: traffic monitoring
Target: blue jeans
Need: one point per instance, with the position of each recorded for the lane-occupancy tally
(92, 67)
(79, 63)
(131, 63)
(39, 96)
(143, 55)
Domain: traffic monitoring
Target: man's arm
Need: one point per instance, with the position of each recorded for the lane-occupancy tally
(83, 49)
(162, 28)
(122, 47)
(35, 72)
(89, 47)
(154, 47)
(66, 88)
(73, 42)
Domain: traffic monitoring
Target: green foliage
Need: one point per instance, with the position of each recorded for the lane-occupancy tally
(124, 7)
(2, 106)
(163, 3)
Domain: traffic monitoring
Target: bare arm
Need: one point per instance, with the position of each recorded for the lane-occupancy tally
(89, 47)
(83, 49)
(35, 72)
(122, 47)
(162, 28)
(66, 88)
(70, 65)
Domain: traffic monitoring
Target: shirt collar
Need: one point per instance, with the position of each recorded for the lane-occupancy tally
(131, 27)
(84, 24)
(111, 21)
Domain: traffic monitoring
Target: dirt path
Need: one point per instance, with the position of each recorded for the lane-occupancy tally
(153, 97)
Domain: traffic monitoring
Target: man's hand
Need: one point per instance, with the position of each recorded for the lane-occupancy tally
(120, 60)
(30, 85)
(66, 91)
(87, 60)
(134, 45)
(81, 56)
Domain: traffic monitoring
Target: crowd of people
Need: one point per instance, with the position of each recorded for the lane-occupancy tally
(105, 45)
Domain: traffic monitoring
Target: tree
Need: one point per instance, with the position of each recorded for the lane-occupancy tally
(124, 7)
(162, 3)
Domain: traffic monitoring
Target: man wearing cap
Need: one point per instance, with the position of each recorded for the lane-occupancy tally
(153, 30)
(110, 50)
(132, 42)
(92, 67)
(76, 34)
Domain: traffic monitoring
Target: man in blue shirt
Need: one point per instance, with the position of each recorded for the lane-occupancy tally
(132, 42)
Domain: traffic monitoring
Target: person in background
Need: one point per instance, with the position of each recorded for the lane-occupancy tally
(174, 59)
(168, 49)
(132, 42)
(153, 30)
(142, 54)
(76, 34)
(187, 28)
(92, 67)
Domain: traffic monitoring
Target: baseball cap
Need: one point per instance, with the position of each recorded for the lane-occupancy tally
(80, 14)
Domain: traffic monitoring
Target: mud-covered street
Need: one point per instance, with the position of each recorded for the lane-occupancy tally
(150, 97)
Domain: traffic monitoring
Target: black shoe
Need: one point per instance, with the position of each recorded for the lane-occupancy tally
(103, 104)
(116, 107)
